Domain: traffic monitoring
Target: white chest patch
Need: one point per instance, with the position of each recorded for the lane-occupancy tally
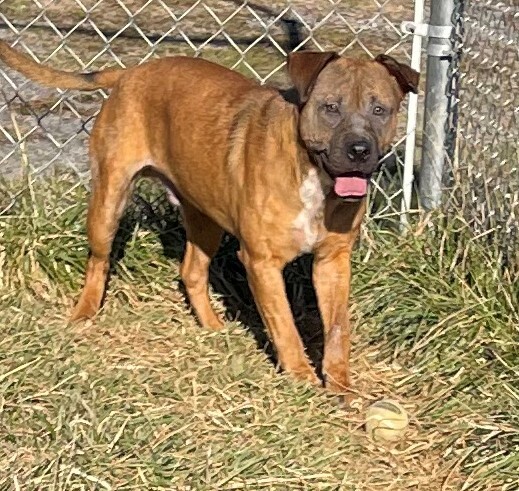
(308, 221)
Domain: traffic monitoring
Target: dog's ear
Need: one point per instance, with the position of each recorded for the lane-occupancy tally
(406, 77)
(304, 67)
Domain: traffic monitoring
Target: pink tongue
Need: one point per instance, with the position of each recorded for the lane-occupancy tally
(351, 186)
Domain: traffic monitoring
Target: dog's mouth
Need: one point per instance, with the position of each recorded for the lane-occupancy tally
(348, 186)
(351, 186)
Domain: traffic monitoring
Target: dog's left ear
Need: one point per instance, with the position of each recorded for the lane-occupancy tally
(406, 77)
(304, 67)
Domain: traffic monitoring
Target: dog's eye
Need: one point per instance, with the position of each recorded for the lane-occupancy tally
(378, 111)
(332, 107)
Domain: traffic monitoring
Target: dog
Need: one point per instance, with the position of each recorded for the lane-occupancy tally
(285, 176)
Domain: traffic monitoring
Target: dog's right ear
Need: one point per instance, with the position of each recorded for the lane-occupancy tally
(304, 67)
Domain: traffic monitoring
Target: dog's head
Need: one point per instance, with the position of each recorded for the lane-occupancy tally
(348, 112)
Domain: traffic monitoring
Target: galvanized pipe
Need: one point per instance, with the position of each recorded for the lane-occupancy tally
(439, 57)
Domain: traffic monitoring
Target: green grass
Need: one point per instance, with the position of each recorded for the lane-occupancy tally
(145, 399)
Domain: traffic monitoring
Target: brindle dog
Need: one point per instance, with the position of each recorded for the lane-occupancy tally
(283, 178)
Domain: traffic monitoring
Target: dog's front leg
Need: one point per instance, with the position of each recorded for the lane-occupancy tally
(331, 278)
(266, 282)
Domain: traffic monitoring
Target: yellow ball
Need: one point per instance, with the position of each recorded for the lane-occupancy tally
(386, 420)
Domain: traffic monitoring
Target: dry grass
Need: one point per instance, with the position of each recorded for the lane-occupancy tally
(145, 399)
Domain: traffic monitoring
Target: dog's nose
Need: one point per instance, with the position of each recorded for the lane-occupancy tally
(359, 151)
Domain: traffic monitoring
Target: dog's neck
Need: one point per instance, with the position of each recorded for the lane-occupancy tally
(288, 114)
(305, 161)
(307, 164)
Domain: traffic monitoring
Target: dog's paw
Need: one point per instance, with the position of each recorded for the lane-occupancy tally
(215, 324)
(83, 311)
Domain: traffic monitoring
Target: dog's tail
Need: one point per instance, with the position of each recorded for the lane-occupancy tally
(61, 79)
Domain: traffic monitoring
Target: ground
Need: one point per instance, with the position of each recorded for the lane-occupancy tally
(143, 398)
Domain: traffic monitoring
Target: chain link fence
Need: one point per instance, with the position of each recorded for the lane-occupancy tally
(486, 157)
(45, 132)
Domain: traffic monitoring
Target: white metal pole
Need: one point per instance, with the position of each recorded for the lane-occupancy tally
(412, 111)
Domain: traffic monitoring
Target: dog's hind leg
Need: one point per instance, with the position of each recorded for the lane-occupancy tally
(203, 239)
(110, 190)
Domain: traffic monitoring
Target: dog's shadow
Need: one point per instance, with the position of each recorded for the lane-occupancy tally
(227, 275)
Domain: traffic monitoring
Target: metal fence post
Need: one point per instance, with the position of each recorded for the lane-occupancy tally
(439, 56)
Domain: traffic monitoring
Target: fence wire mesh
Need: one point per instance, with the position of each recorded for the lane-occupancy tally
(44, 132)
(486, 163)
